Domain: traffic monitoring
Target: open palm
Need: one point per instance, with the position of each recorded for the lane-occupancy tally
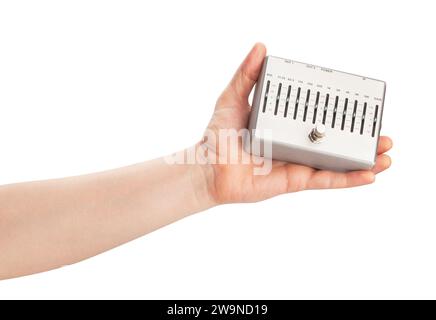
(236, 182)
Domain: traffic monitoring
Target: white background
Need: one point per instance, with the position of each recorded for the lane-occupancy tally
(92, 85)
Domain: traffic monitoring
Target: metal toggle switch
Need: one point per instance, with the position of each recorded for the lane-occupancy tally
(317, 134)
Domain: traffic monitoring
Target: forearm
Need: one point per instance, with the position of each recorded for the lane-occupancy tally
(47, 224)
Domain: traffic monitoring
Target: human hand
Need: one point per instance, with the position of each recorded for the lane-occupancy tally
(235, 182)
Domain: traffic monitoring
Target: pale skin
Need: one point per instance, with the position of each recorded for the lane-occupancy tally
(48, 224)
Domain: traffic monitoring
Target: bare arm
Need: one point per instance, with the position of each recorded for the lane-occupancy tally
(47, 224)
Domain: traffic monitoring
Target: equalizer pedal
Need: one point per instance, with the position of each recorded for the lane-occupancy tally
(319, 117)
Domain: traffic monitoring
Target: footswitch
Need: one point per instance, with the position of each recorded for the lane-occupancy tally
(319, 117)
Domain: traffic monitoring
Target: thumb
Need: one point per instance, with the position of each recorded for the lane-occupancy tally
(245, 77)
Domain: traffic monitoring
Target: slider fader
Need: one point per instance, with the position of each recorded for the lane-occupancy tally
(319, 117)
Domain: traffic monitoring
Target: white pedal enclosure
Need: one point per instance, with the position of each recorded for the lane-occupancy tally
(318, 117)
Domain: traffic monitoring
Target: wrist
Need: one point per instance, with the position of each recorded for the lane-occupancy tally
(207, 191)
(204, 186)
(196, 177)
